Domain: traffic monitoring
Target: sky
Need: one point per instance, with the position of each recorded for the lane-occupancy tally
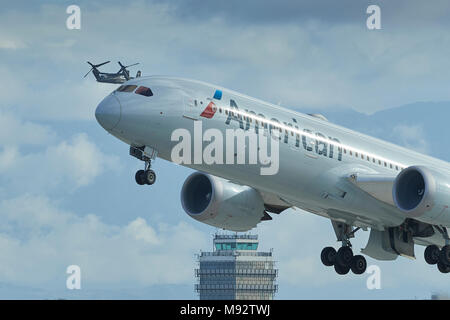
(67, 189)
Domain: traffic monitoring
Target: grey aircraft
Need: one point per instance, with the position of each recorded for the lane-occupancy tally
(119, 77)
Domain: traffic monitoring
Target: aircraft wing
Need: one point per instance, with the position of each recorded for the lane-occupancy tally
(378, 186)
(274, 203)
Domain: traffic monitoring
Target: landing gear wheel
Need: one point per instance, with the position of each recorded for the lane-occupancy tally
(342, 270)
(150, 176)
(139, 177)
(328, 256)
(344, 257)
(432, 253)
(443, 267)
(444, 256)
(358, 264)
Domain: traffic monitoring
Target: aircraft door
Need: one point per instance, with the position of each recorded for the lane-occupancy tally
(191, 108)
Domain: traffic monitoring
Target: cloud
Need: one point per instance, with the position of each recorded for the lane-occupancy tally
(41, 240)
(309, 55)
(8, 156)
(394, 13)
(62, 100)
(81, 160)
(412, 137)
(67, 165)
(11, 44)
(139, 230)
(15, 131)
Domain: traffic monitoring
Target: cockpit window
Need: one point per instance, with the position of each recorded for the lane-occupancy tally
(144, 91)
(127, 88)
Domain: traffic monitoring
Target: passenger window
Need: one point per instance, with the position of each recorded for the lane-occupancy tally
(385, 164)
(144, 91)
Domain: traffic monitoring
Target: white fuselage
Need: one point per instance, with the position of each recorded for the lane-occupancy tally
(314, 154)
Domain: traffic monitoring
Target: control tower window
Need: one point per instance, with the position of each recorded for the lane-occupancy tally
(144, 91)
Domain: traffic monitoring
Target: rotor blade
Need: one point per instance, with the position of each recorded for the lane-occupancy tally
(99, 65)
(132, 65)
(121, 65)
(88, 73)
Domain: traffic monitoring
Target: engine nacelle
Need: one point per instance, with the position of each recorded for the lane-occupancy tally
(424, 194)
(221, 203)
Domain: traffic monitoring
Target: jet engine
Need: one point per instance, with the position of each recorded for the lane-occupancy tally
(221, 203)
(423, 194)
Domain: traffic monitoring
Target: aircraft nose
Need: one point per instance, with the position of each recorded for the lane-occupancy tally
(108, 112)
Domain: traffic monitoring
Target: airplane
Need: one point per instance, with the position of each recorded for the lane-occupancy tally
(357, 181)
(119, 77)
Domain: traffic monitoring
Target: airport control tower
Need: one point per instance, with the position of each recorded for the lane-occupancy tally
(235, 270)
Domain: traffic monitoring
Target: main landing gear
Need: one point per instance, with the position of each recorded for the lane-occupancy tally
(343, 260)
(146, 154)
(440, 257)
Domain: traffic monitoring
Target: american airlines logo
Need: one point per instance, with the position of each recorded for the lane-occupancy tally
(209, 111)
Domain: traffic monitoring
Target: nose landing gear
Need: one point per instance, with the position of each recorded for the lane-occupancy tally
(146, 154)
(147, 176)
